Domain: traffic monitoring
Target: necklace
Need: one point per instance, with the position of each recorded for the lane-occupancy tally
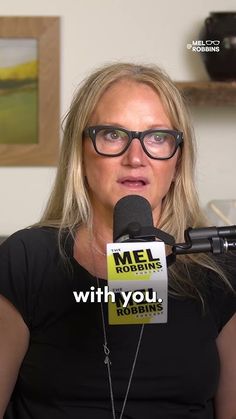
(107, 362)
(94, 247)
(100, 252)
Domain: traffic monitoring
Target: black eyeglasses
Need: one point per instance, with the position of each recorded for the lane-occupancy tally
(159, 144)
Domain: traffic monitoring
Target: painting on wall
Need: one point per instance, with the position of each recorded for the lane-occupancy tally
(18, 91)
(29, 91)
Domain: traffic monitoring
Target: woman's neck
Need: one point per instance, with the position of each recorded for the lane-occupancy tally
(90, 247)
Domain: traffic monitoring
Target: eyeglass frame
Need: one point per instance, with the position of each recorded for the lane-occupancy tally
(92, 131)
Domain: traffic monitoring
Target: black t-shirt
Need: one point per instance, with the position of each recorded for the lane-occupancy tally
(63, 375)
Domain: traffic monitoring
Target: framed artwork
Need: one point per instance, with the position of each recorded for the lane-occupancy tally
(29, 91)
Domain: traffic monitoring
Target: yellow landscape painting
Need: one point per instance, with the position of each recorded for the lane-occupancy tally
(18, 91)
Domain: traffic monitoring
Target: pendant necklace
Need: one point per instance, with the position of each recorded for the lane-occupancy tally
(107, 362)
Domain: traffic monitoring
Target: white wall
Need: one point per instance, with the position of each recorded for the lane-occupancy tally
(98, 31)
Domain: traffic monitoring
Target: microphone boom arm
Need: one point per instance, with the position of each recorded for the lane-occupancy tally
(216, 240)
(207, 239)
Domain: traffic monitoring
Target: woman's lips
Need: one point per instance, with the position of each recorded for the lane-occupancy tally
(133, 182)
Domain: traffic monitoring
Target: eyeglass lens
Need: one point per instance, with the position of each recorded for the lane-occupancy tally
(112, 141)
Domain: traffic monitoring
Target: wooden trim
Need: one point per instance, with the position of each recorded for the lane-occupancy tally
(46, 31)
(209, 92)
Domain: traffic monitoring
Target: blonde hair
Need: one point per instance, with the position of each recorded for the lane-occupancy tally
(69, 203)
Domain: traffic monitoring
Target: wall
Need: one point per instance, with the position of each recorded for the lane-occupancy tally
(98, 31)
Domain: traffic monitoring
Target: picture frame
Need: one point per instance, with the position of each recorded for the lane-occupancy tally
(43, 149)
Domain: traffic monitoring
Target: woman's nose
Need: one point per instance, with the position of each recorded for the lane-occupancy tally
(135, 155)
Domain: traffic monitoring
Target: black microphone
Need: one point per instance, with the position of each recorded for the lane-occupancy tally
(133, 266)
(131, 213)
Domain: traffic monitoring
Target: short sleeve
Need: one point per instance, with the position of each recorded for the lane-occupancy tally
(14, 280)
(24, 256)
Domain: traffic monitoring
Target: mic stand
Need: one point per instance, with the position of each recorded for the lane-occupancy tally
(216, 240)
(136, 232)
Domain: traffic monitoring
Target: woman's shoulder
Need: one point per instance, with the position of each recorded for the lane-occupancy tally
(31, 238)
(22, 267)
(222, 293)
(34, 233)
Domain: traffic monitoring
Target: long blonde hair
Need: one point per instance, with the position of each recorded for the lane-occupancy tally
(69, 203)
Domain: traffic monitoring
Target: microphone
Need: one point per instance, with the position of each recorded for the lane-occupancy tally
(133, 222)
(131, 213)
(136, 265)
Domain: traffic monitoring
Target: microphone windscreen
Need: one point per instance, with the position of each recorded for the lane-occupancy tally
(129, 209)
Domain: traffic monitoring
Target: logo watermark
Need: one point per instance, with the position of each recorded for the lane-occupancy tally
(204, 46)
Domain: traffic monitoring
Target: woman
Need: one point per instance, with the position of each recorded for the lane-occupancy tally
(123, 136)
